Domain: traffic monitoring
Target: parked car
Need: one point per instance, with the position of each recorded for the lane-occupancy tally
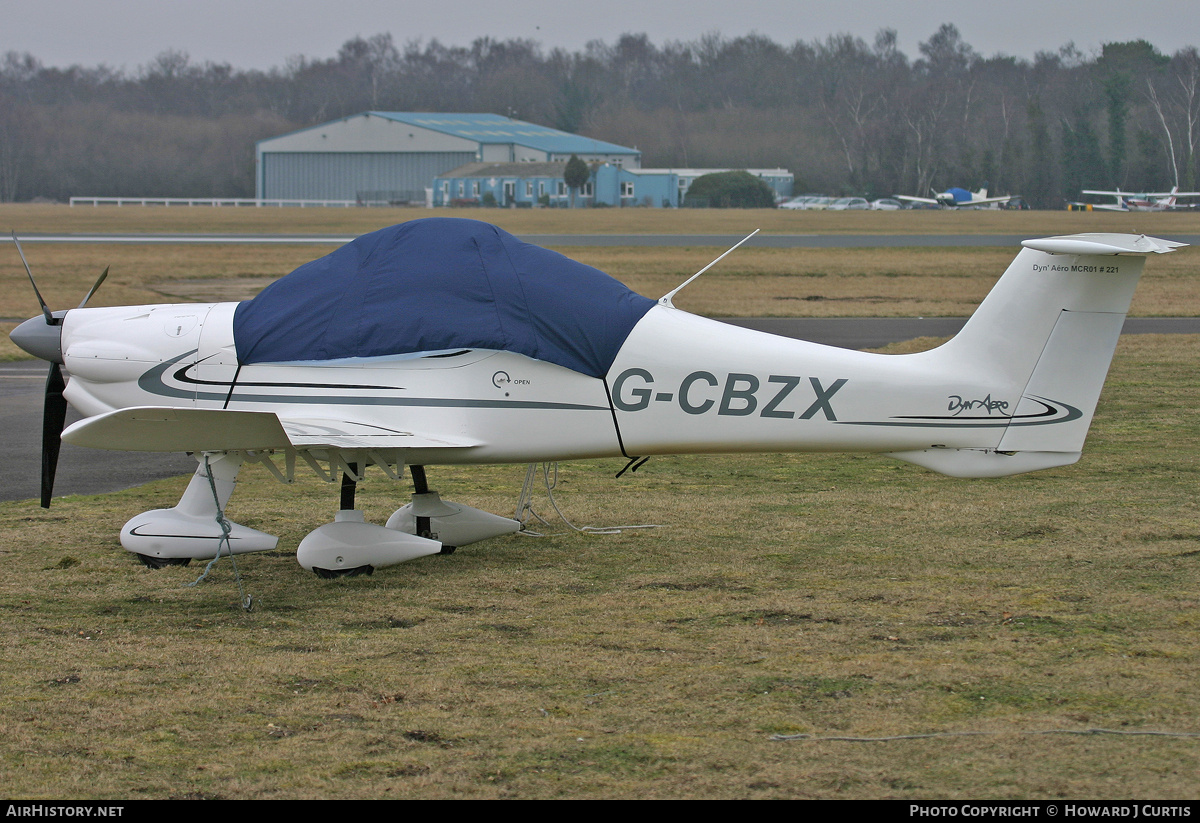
(847, 203)
(816, 203)
(886, 204)
(796, 202)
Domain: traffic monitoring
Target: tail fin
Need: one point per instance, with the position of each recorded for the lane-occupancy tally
(1047, 331)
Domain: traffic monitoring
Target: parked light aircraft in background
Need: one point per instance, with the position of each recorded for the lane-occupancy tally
(1146, 201)
(957, 198)
(446, 341)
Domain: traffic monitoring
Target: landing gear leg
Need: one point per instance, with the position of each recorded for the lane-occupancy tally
(421, 486)
(349, 486)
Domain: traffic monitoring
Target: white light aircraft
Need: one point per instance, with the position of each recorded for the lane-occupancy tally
(956, 198)
(1144, 201)
(445, 341)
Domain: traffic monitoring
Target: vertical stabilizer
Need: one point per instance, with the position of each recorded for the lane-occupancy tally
(1047, 331)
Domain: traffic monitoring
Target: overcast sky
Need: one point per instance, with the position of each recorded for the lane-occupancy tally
(261, 34)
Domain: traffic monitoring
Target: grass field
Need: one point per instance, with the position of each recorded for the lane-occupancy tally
(822, 595)
(59, 218)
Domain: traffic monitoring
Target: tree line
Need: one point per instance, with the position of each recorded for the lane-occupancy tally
(844, 115)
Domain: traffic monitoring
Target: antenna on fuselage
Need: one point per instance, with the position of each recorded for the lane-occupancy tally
(665, 300)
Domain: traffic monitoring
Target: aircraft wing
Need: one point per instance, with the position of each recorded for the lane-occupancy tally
(959, 204)
(1143, 193)
(157, 429)
(1117, 206)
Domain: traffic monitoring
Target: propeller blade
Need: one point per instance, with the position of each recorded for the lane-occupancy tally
(54, 418)
(41, 342)
(88, 296)
(51, 320)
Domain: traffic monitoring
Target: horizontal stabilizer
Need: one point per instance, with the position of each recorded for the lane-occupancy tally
(155, 429)
(1102, 244)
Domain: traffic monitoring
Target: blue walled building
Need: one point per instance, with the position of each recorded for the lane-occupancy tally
(524, 185)
(509, 184)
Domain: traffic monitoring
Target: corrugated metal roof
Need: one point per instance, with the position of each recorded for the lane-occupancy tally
(495, 128)
(699, 172)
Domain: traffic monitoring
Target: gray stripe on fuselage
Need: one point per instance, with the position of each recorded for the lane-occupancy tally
(152, 382)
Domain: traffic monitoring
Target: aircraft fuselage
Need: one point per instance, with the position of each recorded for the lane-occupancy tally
(680, 384)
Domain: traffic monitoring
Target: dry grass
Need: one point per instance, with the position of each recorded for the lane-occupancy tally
(754, 282)
(857, 282)
(57, 218)
(819, 594)
(138, 274)
(910, 281)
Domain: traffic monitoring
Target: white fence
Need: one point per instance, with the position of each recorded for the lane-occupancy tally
(211, 201)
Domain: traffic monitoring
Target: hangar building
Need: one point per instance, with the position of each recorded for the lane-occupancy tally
(391, 157)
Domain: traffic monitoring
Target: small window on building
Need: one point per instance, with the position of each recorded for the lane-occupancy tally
(475, 188)
(588, 189)
(627, 189)
(541, 187)
(529, 188)
(562, 188)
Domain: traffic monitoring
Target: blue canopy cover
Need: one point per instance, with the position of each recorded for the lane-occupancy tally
(437, 284)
